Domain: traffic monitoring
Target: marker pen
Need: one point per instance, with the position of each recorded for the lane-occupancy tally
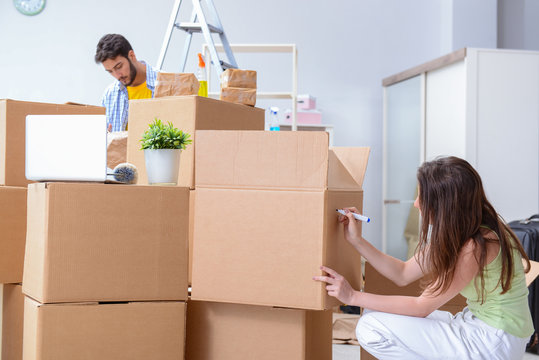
(357, 216)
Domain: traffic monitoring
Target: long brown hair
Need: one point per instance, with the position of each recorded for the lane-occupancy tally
(454, 206)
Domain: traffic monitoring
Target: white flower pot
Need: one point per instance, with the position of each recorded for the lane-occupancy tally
(162, 166)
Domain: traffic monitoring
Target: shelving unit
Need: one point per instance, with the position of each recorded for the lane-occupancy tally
(263, 48)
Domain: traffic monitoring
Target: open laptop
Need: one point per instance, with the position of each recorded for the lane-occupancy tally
(66, 147)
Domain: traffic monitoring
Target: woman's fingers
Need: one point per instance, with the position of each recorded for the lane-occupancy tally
(331, 272)
(326, 279)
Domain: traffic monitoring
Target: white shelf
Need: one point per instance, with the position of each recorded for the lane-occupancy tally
(264, 48)
(261, 95)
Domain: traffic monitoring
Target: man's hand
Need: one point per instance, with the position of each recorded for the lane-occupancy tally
(338, 286)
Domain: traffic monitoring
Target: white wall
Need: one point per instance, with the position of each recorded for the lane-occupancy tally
(345, 48)
(518, 27)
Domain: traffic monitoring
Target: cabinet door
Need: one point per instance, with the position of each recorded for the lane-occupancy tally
(403, 124)
(445, 118)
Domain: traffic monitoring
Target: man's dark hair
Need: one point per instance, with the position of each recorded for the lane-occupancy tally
(110, 46)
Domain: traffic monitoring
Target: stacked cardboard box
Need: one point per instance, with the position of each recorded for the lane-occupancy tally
(13, 236)
(238, 86)
(265, 222)
(188, 113)
(105, 271)
(13, 210)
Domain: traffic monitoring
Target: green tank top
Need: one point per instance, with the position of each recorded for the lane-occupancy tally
(509, 311)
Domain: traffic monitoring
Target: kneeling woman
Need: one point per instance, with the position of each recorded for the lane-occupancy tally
(464, 248)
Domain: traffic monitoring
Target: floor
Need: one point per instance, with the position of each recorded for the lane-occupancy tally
(351, 352)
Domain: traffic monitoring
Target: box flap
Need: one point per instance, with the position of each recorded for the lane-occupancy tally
(262, 159)
(347, 167)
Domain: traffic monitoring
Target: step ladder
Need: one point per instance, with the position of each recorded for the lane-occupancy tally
(199, 24)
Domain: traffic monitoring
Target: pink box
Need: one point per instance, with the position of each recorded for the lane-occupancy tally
(305, 117)
(306, 102)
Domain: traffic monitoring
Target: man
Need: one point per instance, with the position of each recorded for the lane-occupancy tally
(135, 79)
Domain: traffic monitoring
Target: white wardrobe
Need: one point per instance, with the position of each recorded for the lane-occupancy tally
(478, 104)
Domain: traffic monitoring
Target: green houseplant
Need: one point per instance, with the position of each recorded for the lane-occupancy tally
(162, 145)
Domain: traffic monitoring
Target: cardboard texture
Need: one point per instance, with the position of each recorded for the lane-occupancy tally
(191, 232)
(116, 148)
(242, 332)
(237, 78)
(174, 84)
(12, 322)
(188, 113)
(121, 331)
(12, 133)
(262, 230)
(12, 233)
(98, 242)
(238, 95)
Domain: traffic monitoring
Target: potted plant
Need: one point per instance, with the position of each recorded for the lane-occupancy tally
(162, 145)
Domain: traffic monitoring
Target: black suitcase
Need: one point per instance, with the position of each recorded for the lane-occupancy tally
(528, 233)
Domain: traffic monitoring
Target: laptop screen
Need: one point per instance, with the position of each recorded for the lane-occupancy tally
(66, 147)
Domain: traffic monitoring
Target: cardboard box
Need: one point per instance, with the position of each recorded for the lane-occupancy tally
(191, 232)
(308, 117)
(265, 218)
(238, 95)
(121, 331)
(188, 113)
(12, 321)
(12, 133)
(12, 233)
(241, 332)
(238, 78)
(97, 242)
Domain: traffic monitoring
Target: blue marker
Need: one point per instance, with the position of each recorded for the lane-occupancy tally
(357, 216)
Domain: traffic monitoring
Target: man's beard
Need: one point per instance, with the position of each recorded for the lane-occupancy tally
(132, 73)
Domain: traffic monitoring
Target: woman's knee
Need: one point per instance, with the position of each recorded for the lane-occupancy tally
(368, 329)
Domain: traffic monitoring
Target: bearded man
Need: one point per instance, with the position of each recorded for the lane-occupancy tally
(134, 79)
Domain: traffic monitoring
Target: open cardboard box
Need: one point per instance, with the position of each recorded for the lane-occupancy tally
(99, 242)
(232, 331)
(187, 113)
(265, 218)
(12, 133)
(119, 331)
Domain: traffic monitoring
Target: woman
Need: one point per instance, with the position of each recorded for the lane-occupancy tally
(465, 248)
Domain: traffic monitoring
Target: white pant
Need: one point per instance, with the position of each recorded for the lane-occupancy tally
(437, 336)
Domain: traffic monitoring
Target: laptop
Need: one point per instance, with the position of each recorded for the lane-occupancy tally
(66, 148)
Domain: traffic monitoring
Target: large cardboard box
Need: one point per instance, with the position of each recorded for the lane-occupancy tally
(188, 113)
(12, 233)
(243, 332)
(97, 242)
(265, 218)
(12, 321)
(12, 133)
(121, 331)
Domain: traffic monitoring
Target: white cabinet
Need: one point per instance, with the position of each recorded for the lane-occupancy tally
(478, 104)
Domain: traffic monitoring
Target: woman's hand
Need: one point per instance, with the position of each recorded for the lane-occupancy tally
(352, 230)
(337, 286)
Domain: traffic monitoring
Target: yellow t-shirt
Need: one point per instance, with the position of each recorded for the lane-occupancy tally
(139, 92)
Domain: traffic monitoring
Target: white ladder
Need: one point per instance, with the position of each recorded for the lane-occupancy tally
(195, 26)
